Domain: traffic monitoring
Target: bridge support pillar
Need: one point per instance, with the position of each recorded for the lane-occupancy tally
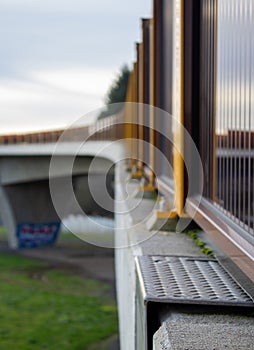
(28, 214)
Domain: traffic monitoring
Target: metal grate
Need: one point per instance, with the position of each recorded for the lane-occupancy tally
(189, 281)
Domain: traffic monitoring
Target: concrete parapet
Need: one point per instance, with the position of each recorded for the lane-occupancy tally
(195, 331)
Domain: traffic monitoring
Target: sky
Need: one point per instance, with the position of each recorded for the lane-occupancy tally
(58, 57)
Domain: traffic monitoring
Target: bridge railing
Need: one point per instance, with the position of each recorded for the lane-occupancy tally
(34, 137)
(109, 128)
(195, 62)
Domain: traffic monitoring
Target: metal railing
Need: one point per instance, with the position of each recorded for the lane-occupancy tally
(201, 69)
(109, 128)
(235, 112)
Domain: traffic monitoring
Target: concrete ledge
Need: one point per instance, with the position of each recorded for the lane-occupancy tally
(205, 332)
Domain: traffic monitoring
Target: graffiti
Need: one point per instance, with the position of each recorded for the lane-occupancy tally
(31, 235)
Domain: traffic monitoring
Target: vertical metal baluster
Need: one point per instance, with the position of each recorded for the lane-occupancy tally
(222, 78)
(249, 98)
(205, 125)
(227, 106)
(239, 45)
(202, 92)
(244, 108)
(238, 110)
(231, 122)
(230, 180)
(209, 89)
(235, 109)
(213, 119)
(224, 20)
(252, 106)
(219, 105)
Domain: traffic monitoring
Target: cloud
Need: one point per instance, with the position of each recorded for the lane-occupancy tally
(77, 6)
(90, 81)
(45, 44)
(33, 41)
(51, 99)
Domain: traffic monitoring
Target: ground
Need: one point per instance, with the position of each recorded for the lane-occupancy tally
(76, 259)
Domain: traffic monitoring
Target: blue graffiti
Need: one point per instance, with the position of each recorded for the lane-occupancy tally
(32, 235)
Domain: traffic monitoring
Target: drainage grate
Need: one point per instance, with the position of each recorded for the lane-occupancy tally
(189, 281)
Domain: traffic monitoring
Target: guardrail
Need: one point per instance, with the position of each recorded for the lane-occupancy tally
(196, 62)
(104, 129)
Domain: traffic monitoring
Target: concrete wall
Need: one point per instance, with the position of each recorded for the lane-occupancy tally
(125, 268)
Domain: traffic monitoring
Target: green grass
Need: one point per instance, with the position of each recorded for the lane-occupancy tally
(3, 233)
(48, 308)
(199, 243)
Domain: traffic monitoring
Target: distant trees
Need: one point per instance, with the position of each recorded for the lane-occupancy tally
(116, 93)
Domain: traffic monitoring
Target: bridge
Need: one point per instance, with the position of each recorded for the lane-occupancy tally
(34, 168)
(180, 156)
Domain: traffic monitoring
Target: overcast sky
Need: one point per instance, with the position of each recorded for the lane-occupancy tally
(58, 57)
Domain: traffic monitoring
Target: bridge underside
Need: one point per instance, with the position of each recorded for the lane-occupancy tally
(26, 205)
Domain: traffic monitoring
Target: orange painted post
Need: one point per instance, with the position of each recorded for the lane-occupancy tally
(152, 103)
(128, 112)
(140, 105)
(178, 105)
(135, 112)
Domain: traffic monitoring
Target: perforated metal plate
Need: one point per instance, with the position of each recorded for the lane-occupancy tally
(189, 281)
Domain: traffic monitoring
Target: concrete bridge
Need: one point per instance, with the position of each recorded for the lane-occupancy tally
(42, 183)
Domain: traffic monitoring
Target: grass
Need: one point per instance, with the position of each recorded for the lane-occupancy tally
(199, 243)
(3, 233)
(48, 308)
